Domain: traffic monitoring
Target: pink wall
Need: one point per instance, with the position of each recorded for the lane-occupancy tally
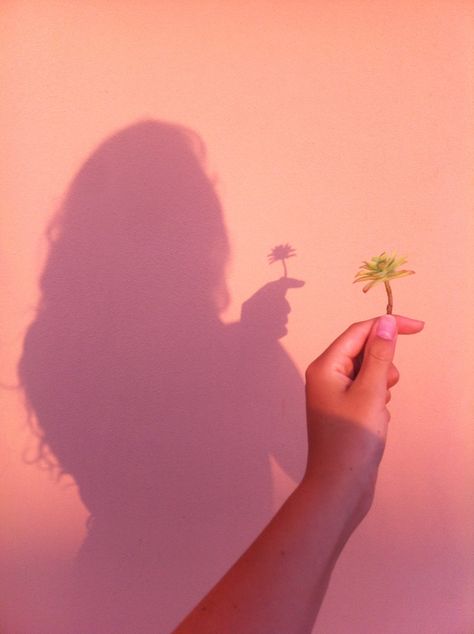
(344, 128)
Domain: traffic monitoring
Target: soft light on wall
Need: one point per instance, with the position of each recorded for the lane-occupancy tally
(342, 128)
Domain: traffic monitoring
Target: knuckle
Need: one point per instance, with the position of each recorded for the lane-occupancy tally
(393, 376)
(313, 369)
(309, 372)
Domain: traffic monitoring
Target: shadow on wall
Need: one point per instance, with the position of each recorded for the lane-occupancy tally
(165, 417)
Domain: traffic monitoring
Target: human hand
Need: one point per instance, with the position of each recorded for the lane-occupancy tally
(347, 390)
(266, 313)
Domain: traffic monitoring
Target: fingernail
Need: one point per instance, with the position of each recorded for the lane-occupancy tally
(386, 327)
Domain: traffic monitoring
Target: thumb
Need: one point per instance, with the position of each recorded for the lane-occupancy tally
(378, 355)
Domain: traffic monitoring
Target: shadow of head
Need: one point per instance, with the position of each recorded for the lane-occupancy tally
(142, 222)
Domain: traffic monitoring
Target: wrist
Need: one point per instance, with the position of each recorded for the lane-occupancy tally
(349, 494)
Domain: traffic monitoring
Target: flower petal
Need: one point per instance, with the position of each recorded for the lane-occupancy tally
(369, 285)
(403, 273)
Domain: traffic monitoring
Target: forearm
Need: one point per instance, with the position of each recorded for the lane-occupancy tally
(279, 583)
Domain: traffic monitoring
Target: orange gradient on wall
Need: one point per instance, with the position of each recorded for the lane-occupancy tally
(342, 128)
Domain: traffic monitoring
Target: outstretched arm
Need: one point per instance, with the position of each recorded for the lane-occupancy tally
(279, 583)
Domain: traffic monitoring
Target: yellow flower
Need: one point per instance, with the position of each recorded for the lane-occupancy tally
(281, 252)
(382, 268)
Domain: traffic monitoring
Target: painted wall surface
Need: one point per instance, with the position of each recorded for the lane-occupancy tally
(344, 128)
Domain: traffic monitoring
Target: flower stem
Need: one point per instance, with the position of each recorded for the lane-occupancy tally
(390, 298)
(284, 267)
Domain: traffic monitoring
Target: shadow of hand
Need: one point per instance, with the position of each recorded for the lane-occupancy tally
(265, 313)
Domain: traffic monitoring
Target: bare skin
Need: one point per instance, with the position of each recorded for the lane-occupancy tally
(279, 582)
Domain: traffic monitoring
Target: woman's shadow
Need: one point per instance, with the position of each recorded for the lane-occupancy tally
(165, 417)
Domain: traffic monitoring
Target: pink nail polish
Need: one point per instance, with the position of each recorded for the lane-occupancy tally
(386, 327)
